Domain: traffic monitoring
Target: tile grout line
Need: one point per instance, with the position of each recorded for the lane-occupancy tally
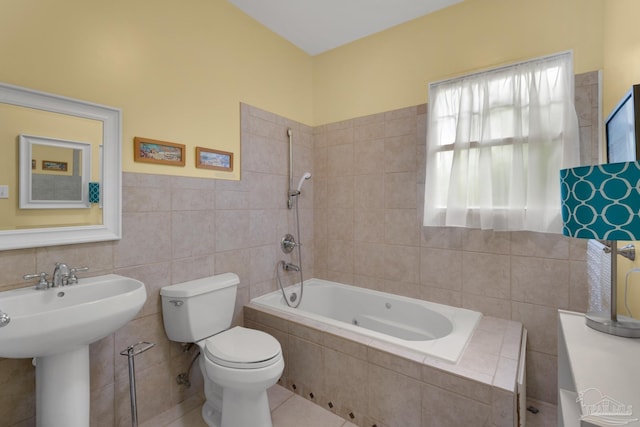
(283, 402)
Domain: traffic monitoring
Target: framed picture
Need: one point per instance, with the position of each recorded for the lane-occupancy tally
(152, 151)
(50, 165)
(207, 158)
(33, 164)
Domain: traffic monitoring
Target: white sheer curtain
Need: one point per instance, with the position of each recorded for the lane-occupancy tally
(496, 141)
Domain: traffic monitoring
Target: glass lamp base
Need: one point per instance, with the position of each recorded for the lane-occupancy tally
(623, 327)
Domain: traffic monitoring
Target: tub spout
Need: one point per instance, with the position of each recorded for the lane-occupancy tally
(290, 267)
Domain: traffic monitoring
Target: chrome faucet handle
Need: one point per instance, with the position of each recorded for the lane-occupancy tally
(73, 279)
(42, 282)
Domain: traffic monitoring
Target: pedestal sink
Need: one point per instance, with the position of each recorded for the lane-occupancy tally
(56, 326)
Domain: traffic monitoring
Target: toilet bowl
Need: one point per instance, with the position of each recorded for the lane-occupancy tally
(241, 364)
(238, 364)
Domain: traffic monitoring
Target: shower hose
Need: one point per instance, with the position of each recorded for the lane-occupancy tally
(282, 263)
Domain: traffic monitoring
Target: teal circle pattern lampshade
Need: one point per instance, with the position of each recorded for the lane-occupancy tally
(601, 201)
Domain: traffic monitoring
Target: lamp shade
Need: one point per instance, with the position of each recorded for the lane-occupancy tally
(601, 201)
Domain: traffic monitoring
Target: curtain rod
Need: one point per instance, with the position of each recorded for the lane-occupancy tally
(504, 67)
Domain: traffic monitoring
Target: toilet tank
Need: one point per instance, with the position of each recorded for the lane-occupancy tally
(200, 308)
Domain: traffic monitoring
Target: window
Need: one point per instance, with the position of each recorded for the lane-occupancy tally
(496, 141)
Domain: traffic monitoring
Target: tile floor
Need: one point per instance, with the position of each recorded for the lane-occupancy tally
(287, 410)
(291, 410)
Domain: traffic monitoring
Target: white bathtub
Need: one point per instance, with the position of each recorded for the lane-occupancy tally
(433, 329)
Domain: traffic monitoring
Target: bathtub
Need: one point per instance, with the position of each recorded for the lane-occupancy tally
(432, 329)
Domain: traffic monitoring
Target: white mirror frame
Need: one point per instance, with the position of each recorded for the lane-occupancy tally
(111, 185)
(26, 173)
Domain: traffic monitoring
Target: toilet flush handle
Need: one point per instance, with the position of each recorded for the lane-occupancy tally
(176, 302)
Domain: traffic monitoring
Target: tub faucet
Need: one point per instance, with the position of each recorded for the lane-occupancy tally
(290, 267)
(60, 275)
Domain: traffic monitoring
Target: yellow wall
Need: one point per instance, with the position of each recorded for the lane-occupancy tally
(621, 50)
(392, 69)
(20, 120)
(177, 69)
(621, 71)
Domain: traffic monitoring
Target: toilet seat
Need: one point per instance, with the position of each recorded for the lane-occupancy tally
(242, 348)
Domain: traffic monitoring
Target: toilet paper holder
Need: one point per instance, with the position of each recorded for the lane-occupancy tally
(131, 352)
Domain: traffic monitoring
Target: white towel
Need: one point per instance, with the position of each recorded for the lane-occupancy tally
(599, 276)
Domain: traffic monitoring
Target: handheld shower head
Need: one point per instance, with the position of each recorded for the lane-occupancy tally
(306, 176)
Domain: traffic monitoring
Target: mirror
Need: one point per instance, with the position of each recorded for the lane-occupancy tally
(54, 173)
(90, 148)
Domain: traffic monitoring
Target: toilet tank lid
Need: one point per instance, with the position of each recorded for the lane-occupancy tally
(200, 286)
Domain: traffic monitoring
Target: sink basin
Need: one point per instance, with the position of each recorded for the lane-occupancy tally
(57, 320)
(56, 326)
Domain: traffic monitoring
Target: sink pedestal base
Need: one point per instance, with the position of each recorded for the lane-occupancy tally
(62, 389)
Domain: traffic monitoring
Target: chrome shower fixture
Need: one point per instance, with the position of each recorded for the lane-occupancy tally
(306, 176)
(296, 192)
(287, 266)
(287, 243)
(289, 195)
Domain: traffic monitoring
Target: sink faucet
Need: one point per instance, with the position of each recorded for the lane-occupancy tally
(63, 275)
(60, 275)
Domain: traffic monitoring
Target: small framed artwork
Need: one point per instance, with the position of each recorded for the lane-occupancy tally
(162, 152)
(33, 164)
(207, 158)
(50, 165)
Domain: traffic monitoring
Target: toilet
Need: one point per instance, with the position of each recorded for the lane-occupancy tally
(238, 364)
